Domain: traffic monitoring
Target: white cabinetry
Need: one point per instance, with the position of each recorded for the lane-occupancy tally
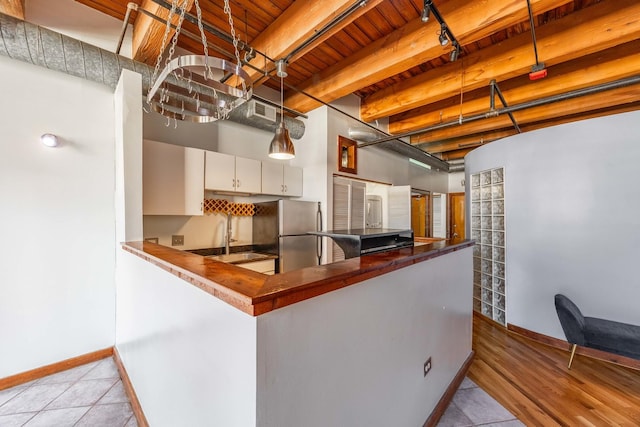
(172, 179)
(224, 172)
(292, 180)
(281, 180)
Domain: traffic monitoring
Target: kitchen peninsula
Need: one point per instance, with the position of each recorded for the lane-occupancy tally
(208, 343)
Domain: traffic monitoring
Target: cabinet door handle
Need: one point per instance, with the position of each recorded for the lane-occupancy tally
(285, 188)
(234, 183)
(282, 188)
(238, 183)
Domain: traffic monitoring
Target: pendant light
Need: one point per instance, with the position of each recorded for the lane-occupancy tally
(281, 147)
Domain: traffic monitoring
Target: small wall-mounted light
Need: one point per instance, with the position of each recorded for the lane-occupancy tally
(49, 139)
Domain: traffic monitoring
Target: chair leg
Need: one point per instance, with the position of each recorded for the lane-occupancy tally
(573, 353)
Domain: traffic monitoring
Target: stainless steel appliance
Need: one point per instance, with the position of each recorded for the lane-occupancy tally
(280, 228)
(360, 242)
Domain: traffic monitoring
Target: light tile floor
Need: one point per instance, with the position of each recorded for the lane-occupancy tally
(472, 406)
(89, 395)
(93, 395)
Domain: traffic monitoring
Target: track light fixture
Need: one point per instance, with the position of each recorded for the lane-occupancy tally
(426, 11)
(444, 40)
(445, 35)
(453, 57)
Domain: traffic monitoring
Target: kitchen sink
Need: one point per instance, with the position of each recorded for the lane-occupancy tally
(239, 257)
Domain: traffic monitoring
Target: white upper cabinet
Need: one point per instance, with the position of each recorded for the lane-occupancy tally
(220, 172)
(224, 172)
(281, 180)
(272, 176)
(292, 179)
(248, 175)
(172, 179)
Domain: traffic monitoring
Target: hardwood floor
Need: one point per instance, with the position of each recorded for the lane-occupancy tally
(532, 381)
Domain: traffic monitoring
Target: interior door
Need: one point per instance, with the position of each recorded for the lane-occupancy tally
(419, 218)
(455, 226)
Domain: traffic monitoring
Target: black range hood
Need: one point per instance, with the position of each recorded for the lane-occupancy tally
(358, 242)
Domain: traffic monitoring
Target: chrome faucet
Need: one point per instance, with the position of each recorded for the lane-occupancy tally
(227, 238)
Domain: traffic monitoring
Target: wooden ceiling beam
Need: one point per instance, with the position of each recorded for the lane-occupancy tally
(412, 45)
(148, 32)
(466, 141)
(13, 8)
(589, 30)
(456, 145)
(613, 64)
(297, 24)
(612, 98)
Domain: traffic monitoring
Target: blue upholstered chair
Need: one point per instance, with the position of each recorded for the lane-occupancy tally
(607, 335)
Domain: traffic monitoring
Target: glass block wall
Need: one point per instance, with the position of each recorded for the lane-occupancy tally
(488, 230)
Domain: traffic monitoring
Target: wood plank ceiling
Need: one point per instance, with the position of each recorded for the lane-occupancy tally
(385, 54)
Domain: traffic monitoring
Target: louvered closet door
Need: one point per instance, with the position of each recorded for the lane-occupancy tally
(341, 192)
(358, 205)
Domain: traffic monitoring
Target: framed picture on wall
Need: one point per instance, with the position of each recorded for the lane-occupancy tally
(347, 155)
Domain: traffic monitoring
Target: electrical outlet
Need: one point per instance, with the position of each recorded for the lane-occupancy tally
(177, 240)
(427, 366)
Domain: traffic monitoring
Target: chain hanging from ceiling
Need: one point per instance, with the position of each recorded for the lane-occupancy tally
(222, 85)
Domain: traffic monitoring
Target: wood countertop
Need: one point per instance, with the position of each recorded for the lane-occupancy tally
(256, 293)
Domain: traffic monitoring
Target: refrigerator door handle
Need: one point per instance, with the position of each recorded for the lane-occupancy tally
(319, 248)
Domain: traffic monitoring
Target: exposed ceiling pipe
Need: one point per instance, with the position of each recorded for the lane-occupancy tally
(496, 90)
(456, 168)
(130, 6)
(322, 31)
(456, 165)
(36, 45)
(629, 81)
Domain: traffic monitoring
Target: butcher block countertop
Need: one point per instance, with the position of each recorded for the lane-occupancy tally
(256, 293)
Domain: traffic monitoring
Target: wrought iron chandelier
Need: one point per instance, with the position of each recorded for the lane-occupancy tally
(221, 85)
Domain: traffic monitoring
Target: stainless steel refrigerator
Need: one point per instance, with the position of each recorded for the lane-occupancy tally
(280, 228)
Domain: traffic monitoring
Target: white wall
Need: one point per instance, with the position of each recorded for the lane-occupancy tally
(355, 356)
(572, 221)
(191, 357)
(128, 157)
(456, 182)
(57, 260)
